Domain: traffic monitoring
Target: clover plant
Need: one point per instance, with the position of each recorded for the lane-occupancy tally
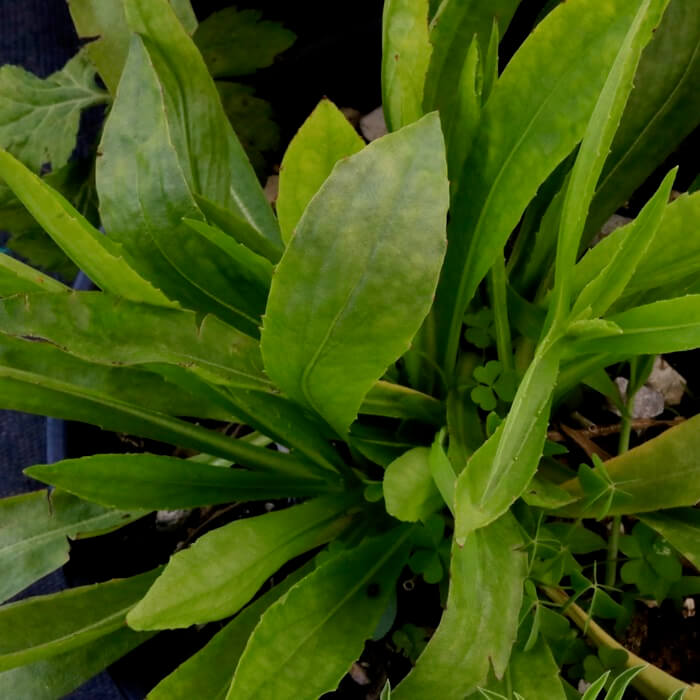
(393, 440)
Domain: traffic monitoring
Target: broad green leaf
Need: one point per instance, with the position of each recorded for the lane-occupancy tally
(164, 483)
(104, 22)
(358, 276)
(39, 119)
(406, 53)
(662, 110)
(451, 32)
(490, 568)
(144, 196)
(323, 139)
(33, 531)
(209, 672)
(409, 490)
(660, 327)
(100, 258)
(29, 391)
(534, 118)
(398, 401)
(500, 470)
(681, 527)
(597, 139)
(17, 277)
(128, 384)
(55, 677)
(328, 615)
(639, 485)
(224, 569)
(603, 290)
(43, 626)
(135, 335)
(237, 42)
(211, 157)
(533, 674)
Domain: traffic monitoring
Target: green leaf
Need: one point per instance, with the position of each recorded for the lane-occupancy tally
(57, 676)
(489, 568)
(43, 626)
(130, 385)
(654, 329)
(638, 486)
(451, 33)
(534, 118)
(135, 335)
(39, 119)
(209, 672)
(681, 527)
(104, 22)
(33, 531)
(144, 197)
(534, 674)
(442, 472)
(236, 42)
(500, 470)
(17, 277)
(325, 138)
(603, 290)
(100, 258)
(590, 160)
(406, 53)
(164, 483)
(340, 605)
(398, 401)
(662, 110)
(223, 569)
(342, 282)
(409, 490)
(211, 157)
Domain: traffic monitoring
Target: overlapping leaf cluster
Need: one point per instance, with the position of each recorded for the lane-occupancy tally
(334, 334)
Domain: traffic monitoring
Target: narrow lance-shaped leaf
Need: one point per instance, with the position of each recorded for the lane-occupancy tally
(500, 470)
(43, 626)
(639, 486)
(357, 279)
(144, 197)
(654, 329)
(16, 277)
(602, 291)
(213, 160)
(662, 110)
(33, 531)
(329, 615)
(58, 675)
(156, 483)
(224, 569)
(594, 148)
(534, 118)
(135, 335)
(323, 139)
(209, 672)
(100, 258)
(406, 53)
(489, 568)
